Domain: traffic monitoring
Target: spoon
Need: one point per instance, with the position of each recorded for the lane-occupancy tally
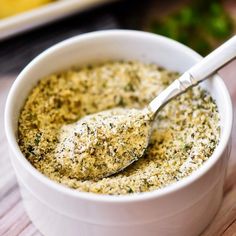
(107, 142)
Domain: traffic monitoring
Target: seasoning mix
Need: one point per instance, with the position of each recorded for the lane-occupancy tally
(185, 133)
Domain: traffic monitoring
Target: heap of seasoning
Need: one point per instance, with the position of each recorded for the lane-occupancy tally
(103, 143)
(185, 134)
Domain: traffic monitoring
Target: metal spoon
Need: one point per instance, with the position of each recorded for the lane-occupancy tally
(137, 123)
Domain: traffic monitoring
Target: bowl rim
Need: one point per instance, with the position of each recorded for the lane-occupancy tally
(136, 197)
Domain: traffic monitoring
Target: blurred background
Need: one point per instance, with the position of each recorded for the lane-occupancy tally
(200, 24)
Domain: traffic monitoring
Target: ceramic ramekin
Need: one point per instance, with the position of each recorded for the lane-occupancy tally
(184, 208)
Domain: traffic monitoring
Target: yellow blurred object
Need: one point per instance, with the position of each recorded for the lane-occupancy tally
(13, 7)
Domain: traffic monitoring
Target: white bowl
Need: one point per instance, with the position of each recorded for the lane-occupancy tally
(184, 208)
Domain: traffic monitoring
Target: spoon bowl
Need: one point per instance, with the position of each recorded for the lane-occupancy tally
(96, 146)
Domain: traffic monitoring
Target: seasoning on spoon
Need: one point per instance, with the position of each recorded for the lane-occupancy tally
(104, 143)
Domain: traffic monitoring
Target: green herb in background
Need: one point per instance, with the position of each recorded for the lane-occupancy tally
(201, 25)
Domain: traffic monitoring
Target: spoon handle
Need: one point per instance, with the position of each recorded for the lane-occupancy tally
(215, 60)
(197, 73)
